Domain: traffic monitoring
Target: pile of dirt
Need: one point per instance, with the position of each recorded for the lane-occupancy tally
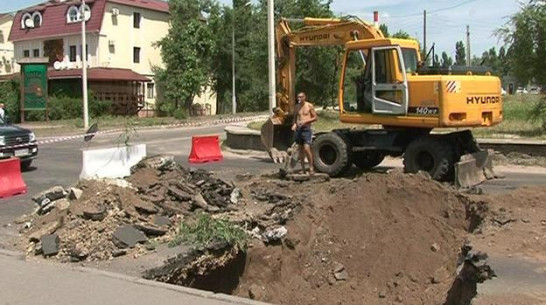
(373, 240)
(376, 239)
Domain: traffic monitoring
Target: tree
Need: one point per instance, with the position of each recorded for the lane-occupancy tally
(187, 52)
(385, 30)
(504, 63)
(446, 60)
(401, 35)
(525, 36)
(460, 54)
(222, 59)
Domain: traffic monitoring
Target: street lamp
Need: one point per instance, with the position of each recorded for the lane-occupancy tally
(234, 97)
(84, 69)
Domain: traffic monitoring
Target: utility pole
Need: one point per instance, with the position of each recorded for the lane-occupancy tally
(468, 56)
(271, 47)
(84, 70)
(233, 95)
(425, 33)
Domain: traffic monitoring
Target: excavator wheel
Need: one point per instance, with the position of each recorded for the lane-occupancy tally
(367, 159)
(332, 153)
(431, 155)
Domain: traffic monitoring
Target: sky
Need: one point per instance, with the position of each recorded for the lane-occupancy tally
(446, 19)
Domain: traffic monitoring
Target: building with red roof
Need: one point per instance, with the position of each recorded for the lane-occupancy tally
(120, 36)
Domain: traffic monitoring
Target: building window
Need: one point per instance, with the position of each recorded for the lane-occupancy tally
(74, 14)
(36, 52)
(72, 53)
(150, 90)
(26, 53)
(37, 19)
(136, 20)
(26, 21)
(136, 55)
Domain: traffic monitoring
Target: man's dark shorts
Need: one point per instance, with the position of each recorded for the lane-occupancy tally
(304, 135)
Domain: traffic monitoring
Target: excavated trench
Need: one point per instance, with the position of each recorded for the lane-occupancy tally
(404, 241)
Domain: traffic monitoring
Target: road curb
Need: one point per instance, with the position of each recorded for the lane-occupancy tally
(181, 289)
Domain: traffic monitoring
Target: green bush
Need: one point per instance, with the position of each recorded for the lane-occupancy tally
(65, 108)
(61, 106)
(180, 114)
(10, 96)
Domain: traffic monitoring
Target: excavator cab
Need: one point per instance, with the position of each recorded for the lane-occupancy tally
(374, 81)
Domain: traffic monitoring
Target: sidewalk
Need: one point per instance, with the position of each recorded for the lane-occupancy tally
(23, 282)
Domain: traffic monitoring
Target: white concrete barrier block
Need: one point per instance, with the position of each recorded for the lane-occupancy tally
(113, 162)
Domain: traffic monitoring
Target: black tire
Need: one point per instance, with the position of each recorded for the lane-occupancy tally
(332, 154)
(431, 155)
(367, 159)
(25, 165)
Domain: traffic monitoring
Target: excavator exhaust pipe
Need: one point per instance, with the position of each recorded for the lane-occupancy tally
(474, 169)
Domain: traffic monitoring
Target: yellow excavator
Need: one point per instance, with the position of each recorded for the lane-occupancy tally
(382, 84)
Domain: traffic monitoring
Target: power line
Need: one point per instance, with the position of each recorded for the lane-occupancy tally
(438, 10)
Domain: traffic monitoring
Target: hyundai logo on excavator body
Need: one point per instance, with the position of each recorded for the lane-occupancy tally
(314, 37)
(483, 100)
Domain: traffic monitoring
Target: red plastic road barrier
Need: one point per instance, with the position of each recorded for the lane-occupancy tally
(11, 181)
(205, 149)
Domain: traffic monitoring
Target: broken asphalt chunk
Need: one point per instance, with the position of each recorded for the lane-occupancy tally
(128, 236)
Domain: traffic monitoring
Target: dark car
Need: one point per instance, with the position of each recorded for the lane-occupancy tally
(17, 142)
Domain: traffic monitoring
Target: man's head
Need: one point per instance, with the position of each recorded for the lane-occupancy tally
(302, 97)
(1, 105)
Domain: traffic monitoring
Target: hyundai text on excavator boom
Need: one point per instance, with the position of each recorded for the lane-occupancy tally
(381, 84)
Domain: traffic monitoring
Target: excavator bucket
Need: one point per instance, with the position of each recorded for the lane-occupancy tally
(277, 138)
(474, 169)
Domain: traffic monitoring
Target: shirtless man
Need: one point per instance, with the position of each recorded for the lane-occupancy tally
(305, 116)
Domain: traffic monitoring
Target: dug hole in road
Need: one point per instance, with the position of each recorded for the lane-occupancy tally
(372, 239)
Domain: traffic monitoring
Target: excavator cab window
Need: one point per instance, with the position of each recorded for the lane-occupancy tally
(411, 60)
(357, 85)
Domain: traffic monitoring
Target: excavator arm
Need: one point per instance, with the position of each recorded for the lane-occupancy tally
(276, 133)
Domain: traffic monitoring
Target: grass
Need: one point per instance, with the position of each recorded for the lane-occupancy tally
(516, 124)
(205, 230)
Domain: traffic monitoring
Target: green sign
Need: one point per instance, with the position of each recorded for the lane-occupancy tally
(35, 86)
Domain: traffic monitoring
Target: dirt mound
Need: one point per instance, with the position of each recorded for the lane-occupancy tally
(373, 240)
